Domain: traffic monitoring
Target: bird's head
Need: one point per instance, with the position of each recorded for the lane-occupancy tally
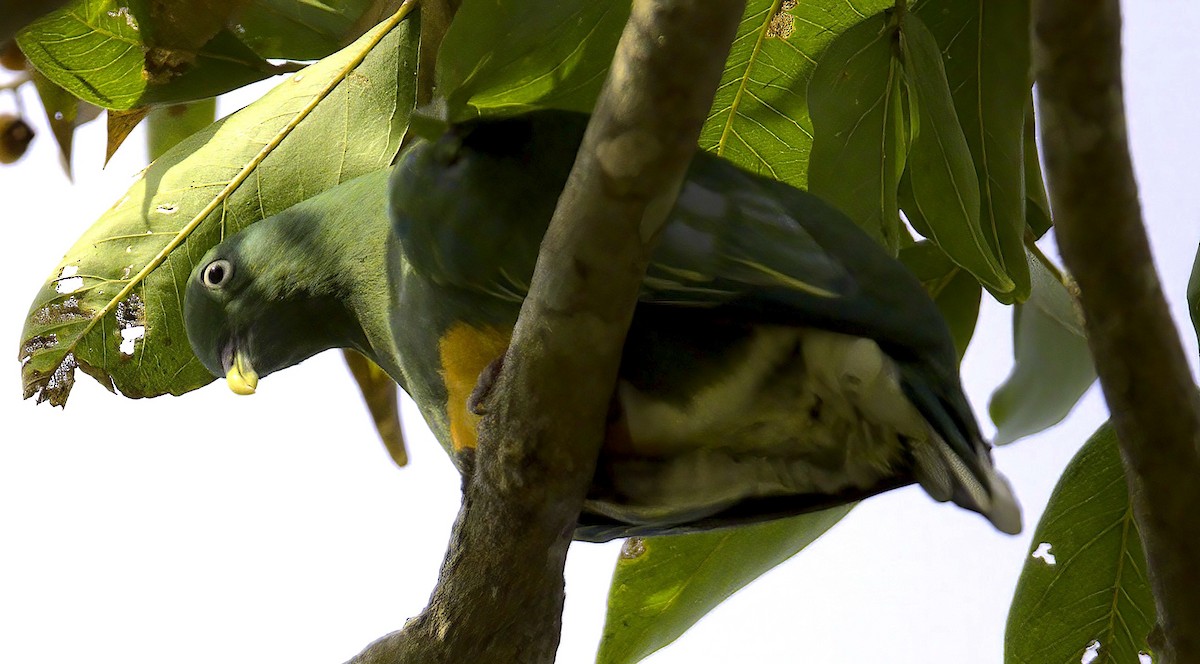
(264, 300)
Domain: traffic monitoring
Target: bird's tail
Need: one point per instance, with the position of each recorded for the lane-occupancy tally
(955, 463)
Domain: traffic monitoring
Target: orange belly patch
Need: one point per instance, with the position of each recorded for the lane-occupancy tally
(464, 352)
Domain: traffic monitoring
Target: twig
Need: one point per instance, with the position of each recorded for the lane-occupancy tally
(1141, 364)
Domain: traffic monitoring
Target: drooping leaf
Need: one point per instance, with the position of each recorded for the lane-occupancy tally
(119, 288)
(168, 125)
(306, 30)
(1053, 365)
(120, 125)
(1084, 586)
(986, 50)
(760, 115)
(502, 57)
(663, 585)
(1037, 202)
(953, 289)
(379, 392)
(121, 55)
(1193, 294)
(854, 100)
(944, 183)
(64, 113)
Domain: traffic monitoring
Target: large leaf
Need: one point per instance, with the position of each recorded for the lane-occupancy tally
(1084, 586)
(854, 99)
(306, 30)
(943, 177)
(663, 585)
(760, 116)
(1053, 365)
(985, 50)
(502, 57)
(120, 54)
(119, 288)
(953, 289)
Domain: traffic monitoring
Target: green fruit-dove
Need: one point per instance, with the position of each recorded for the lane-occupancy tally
(778, 361)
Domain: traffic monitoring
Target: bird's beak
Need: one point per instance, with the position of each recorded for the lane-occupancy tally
(239, 374)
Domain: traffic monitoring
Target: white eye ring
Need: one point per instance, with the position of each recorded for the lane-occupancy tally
(217, 273)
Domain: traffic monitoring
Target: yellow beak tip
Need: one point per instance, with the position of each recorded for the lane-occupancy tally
(240, 380)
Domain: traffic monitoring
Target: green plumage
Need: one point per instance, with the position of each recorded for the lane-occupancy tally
(778, 361)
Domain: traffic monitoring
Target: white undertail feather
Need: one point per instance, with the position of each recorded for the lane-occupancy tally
(840, 420)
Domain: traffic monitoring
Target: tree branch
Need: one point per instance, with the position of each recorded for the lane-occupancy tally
(499, 598)
(1138, 355)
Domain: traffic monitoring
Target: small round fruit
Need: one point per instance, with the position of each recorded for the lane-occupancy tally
(14, 138)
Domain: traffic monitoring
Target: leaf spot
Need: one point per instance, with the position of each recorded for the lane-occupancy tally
(1090, 653)
(782, 24)
(35, 344)
(123, 12)
(62, 312)
(633, 548)
(1043, 553)
(167, 208)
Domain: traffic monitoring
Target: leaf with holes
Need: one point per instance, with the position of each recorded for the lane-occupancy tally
(857, 156)
(502, 57)
(663, 585)
(985, 49)
(944, 183)
(121, 55)
(113, 306)
(1087, 588)
(1053, 367)
(953, 289)
(760, 116)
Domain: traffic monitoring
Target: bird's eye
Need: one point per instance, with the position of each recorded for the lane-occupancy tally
(217, 273)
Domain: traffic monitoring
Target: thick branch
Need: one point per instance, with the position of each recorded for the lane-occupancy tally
(1139, 358)
(500, 595)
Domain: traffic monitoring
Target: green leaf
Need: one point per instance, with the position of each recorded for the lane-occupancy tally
(168, 125)
(117, 291)
(663, 585)
(952, 288)
(985, 48)
(854, 99)
(1053, 366)
(943, 176)
(1085, 582)
(760, 116)
(120, 55)
(306, 30)
(503, 57)
(1193, 294)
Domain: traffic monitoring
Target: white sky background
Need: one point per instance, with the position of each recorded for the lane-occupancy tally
(274, 528)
